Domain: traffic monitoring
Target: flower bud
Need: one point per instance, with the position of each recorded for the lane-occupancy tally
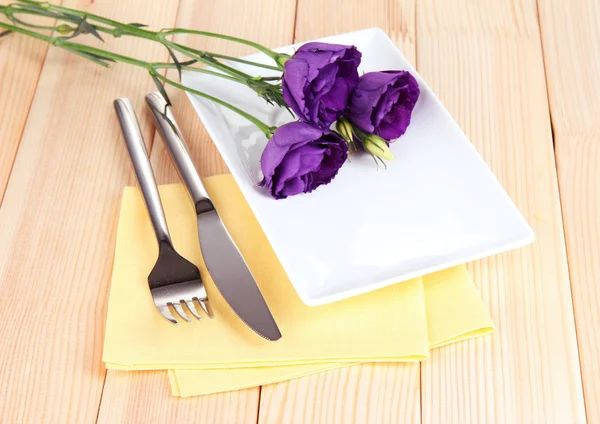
(344, 127)
(282, 58)
(377, 146)
(64, 29)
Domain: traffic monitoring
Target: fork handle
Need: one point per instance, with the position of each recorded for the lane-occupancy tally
(143, 169)
(171, 135)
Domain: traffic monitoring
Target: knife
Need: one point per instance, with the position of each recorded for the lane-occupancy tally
(223, 259)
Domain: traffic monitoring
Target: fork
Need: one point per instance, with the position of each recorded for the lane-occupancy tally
(174, 281)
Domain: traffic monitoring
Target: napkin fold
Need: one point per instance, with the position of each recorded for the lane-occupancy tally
(454, 312)
(397, 323)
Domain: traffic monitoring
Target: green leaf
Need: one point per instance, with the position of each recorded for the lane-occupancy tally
(160, 87)
(91, 29)
(83, 27)
(94, 58)
(175, 60)
(39, 11)
(74, 18)
(101, 57)
(165, 115)
(188, 62)
(289, 110)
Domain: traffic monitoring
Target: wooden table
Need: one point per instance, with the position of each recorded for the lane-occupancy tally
(521, 78)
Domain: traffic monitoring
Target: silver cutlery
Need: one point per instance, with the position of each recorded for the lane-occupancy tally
(224, 261)
(174, 281)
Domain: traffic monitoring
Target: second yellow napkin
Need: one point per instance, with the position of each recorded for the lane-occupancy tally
(454, 312)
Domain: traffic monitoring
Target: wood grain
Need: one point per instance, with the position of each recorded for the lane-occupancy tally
(145, 397)
(58, 222)
(317, 19)
(369, 393)
(372, 393)
(272, 25)
(486, 65)
(21, 60)
(571, 41)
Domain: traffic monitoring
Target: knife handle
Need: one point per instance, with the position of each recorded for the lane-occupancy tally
(143, 169)
(171, 135)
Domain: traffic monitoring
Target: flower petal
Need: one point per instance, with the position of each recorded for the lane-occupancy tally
(293, 85)
(299, 157)
(382, 103)
(310, 75)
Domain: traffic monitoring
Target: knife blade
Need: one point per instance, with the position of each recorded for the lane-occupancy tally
(225, 263)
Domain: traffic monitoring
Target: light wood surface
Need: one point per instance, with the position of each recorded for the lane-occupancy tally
(371, 393)
(488, 70)
(520, 78)
(58, 222)
(17, 86)
(571, 42)
(146, 398)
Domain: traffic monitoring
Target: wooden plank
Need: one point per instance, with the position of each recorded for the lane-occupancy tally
(371, 393)
(382, 393)
(317, 19)
(571, 42)
(58, 222)
(270, 23)
(486, 65)
(145, 397)
(21, 60)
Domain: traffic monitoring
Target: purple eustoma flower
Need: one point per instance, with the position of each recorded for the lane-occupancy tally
(318, 80)
(300, 157)
(383, 102)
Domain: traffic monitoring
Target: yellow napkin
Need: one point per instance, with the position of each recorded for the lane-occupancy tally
(454, 312)
(390, 324)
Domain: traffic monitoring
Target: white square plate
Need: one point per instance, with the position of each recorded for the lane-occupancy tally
(435, 206)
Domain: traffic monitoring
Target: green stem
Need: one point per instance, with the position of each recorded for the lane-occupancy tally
(24, 31)
(247, 62)
(140, 32)
(271, 78)
(11, 10)
(74, 47)
(271, 93)
(194, 69)
(103, 57)
(200, 56)
(88, 49)
(268, 131)
(273, 55)
(54, 41)
(359, 133)
(125, 29)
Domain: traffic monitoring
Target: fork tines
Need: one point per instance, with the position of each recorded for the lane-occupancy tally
(175, 282)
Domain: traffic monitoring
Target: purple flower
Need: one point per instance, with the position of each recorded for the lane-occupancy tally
(383, 102)
(300, 157)
(318, 79)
